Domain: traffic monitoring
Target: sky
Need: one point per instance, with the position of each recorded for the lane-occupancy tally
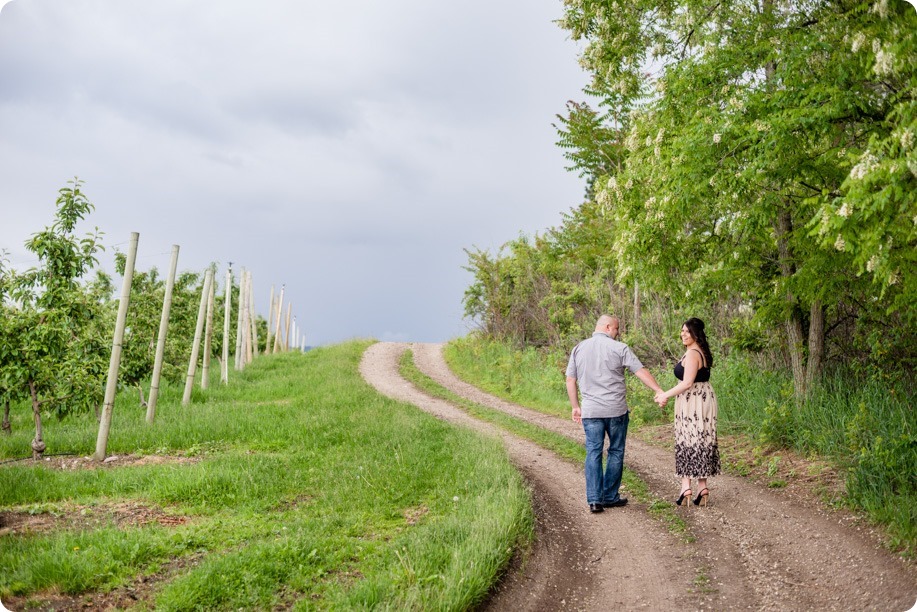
(349, 150)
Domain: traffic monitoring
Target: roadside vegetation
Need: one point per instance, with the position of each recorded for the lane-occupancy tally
(861, 425)
(298, 486)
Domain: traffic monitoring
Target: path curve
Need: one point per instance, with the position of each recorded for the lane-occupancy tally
(778, 553)
(617, 559)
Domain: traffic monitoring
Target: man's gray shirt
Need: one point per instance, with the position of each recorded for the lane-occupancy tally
(598, 365)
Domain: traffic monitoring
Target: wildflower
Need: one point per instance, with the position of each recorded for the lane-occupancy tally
(761, 126)
(907, 138)
(602, 197)
(884, 63)
(871, 264)
(844, 211)
(858, 41)
(659, 135)
(657, 152)
(717, 137)
(894, 278)
(880, 8)
(839, 244)
(867, 164)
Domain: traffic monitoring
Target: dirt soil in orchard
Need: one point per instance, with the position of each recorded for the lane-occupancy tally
(752, 548)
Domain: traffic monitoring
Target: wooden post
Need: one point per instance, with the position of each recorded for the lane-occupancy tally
(270, 314)
(208, 338)
(198, 330)
(227, 300)
(253, 322)
(286, 335)
(161, 340)
(242, 357)
(239, 311)
(276, 347)
(114, 363)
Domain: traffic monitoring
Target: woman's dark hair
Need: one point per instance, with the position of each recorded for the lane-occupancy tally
(696, 329)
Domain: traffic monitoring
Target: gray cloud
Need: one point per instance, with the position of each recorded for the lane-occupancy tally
(350, 150)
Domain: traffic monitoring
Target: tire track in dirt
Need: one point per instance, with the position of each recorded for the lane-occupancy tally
(617, 559)
(757, 548)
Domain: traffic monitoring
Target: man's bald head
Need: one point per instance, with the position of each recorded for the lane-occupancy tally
(608, 324)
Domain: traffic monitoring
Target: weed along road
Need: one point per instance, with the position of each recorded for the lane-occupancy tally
(753, 548)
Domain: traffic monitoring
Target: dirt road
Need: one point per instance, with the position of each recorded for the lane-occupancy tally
(755, 548)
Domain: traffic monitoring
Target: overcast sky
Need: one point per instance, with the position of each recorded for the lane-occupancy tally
(348, 149)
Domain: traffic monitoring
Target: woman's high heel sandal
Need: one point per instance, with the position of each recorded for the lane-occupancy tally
(701, 499)
(683, 498)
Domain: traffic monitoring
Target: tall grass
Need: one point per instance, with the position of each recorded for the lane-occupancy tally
(863, 422)
(307, 489)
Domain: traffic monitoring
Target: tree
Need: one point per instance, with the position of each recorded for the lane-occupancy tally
(739, 146)
(54, 348)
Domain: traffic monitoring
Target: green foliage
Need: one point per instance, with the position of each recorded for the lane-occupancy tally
(52, 348)
(763, 173)
(142, 326)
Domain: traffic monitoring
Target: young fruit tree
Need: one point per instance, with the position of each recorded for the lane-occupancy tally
(53, 347)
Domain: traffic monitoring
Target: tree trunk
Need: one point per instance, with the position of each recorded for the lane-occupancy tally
(7, 428)
(38, 444)
(793, 323)
(816, 344)
(636, 323)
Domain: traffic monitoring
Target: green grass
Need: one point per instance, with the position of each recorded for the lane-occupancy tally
(864, 423)
(561, 445)
(307, 490)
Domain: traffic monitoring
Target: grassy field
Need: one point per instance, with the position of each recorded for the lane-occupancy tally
(295, 486)
(862, 423)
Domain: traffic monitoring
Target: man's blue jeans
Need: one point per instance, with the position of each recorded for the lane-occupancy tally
(603, 489)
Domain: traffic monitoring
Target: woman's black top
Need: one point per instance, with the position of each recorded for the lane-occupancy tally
(703, 374)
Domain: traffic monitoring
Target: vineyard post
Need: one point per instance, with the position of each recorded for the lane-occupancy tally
(224, 366)
(115, 362)
(270, 315)
(242, 333)
(253, 323)
(277, 320)
(286, 335)
(208, 338)
(196, 346)
(161, 340)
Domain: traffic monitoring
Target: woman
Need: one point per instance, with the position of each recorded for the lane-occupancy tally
(696, 452)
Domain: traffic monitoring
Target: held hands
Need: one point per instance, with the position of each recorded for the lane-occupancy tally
(661, 399)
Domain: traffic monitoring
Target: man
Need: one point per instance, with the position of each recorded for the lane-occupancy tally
(597, 367)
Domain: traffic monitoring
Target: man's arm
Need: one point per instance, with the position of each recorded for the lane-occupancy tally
(576, 415)
(647, 379)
